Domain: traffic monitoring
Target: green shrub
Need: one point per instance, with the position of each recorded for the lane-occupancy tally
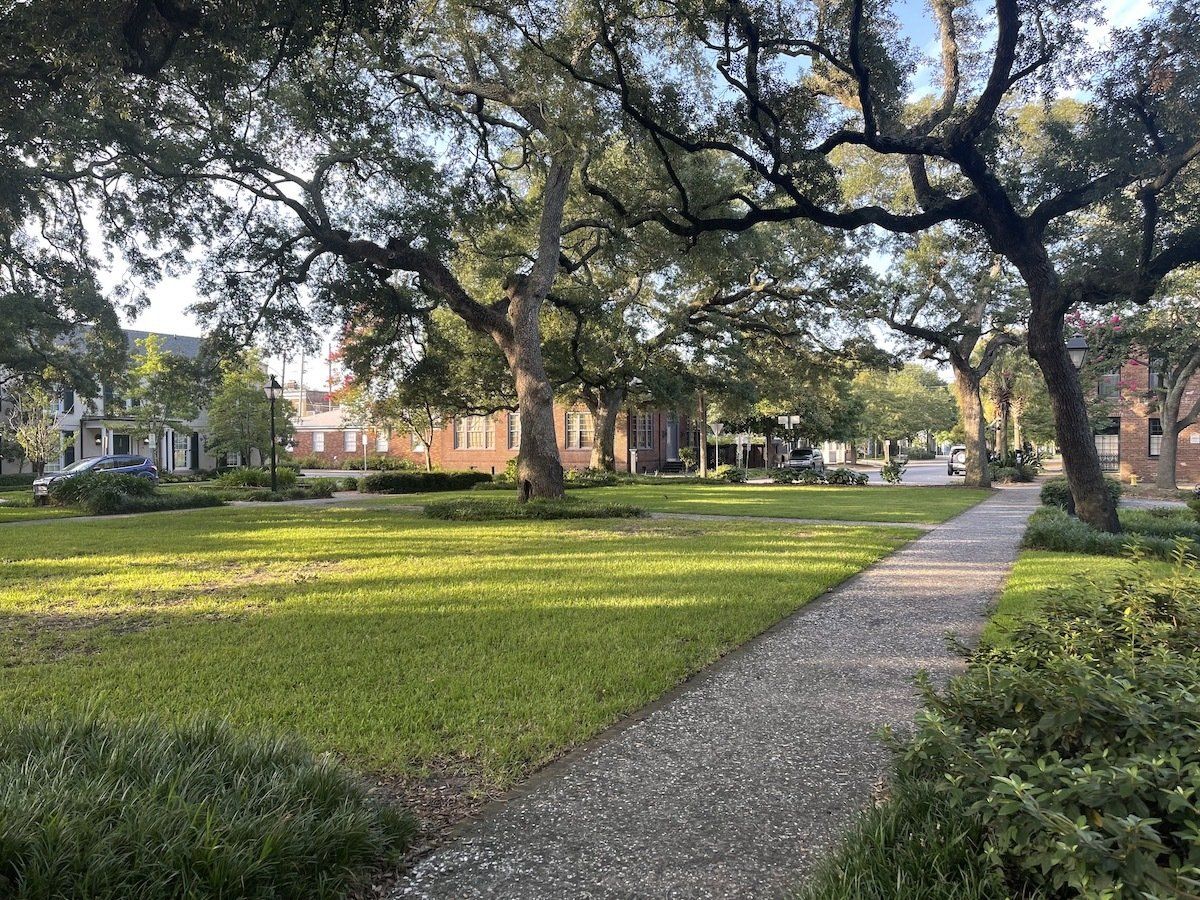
(100, 493)
(731, 474)
(112, 811)
(1014, 474)
(797, 476)
(249, 476)
(1194, 506)
(1053, 529)
(921, 453)
(478, 509)
(186, 477)
(349, 484)
(383, 464)
(21, 480)
(1076, 744)
(499, 484)
(1057, 492)
(418, 482)
(576, 478)
(845, 477)
(783, 476)
(892, 471)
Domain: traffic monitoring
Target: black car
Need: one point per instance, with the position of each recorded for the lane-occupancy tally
(116, 464)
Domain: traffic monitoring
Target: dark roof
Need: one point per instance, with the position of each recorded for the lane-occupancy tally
(179, 344)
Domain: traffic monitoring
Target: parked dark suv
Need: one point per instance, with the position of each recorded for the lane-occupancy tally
(957, 464)
(806, 458)
(118, 465)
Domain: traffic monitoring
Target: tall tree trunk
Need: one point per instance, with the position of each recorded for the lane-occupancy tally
(970, 406)
(703, 461)
(605, 406)
(1072, 427)
(1002, 430)
(539, 468)
(1168, 450)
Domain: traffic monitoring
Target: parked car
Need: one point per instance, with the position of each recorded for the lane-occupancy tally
(118, 465)
(806, 458)
(957, 464)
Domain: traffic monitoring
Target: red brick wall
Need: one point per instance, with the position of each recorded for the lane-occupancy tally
(446, 456)
(1135, 412)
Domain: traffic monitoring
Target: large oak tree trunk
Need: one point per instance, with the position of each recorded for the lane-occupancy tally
(1168, 451)
(605, 406)
(703, 460)
(970, 406)
(539, 468)
(1072, 427)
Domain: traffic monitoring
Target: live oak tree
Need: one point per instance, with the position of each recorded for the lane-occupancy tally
(901, 403)
(957, 305)
(310, 150)
(1087, 208)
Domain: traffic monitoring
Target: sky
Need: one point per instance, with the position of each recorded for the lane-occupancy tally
(167, 310)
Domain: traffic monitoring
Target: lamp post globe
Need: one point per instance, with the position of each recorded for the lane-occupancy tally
(1077, 349)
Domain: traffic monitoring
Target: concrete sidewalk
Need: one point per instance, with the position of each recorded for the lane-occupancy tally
(741, 780)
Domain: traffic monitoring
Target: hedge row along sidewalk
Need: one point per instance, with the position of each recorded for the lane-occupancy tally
(736, 784)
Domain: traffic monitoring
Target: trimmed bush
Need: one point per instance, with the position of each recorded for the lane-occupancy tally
(249, 476)
(478, 509)
(349, 484)
(577, 478)
(101, 493)
(1053, 529)
(186, 477)
(382, 464)
(419, 482)
(730, 474)
(115, 811)
(1076, 744)
(1057, 492)
(17, 480)
(846, 477)
(1194, 506)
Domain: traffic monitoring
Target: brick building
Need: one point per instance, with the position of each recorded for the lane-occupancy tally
(1130, 444)
(649, 439)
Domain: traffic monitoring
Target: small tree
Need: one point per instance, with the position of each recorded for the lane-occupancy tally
(34, 426)
(165, 390)
(240, 415)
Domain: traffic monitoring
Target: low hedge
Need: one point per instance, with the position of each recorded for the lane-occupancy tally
(1057, 492)
(251, 476)
(380, 464)
(479, 509)
(21, 480)
(113, 811)
(730, 474)
(107, 494)
(419, 482)
(1052, 529)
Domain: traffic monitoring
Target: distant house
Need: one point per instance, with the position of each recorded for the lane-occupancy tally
(98, 426)
(1130, 443)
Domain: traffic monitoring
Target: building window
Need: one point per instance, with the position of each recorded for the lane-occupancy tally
(514, 431)
(580, 430)
(474, 433)
(1156, 364)
(67, 401)
(643, 431)
(382, 441)
(349, 441)
(1108, 446)
(418, 444)
(318, 442)
(1109, 386)
(1156, 436)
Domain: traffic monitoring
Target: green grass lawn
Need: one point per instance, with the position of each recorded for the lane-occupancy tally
(1040, 574)
(407, 646)
(22, 513)
(854, 504)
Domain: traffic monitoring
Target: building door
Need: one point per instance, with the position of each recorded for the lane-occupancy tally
(68, 448)
(194, 457)
(1108, 446)
(120, 444)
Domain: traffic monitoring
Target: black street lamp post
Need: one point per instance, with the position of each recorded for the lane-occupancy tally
(1077, 349)
(272, 389)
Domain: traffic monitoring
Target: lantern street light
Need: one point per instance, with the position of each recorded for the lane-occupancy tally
(273, 390)
(1077, 349)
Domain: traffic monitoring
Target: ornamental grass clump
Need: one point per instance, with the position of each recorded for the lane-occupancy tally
(1076, 744)
(110, 811)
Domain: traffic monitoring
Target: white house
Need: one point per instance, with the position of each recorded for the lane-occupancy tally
(98, 426)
